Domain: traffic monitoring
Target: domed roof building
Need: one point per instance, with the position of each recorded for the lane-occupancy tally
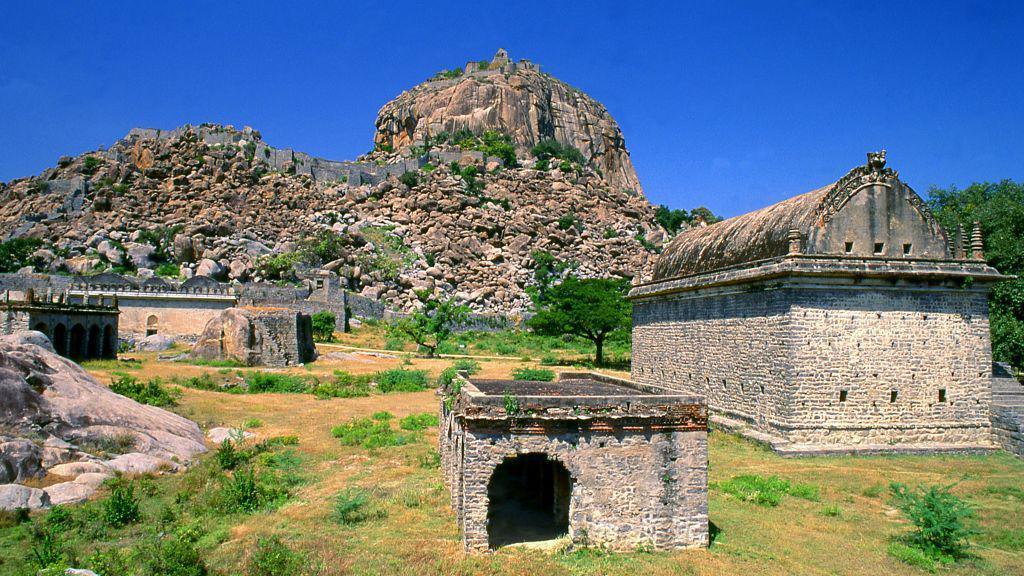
(842, 319)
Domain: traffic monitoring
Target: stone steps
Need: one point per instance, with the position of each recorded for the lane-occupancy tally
(1007, 409)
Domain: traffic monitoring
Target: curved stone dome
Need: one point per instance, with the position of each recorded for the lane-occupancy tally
(867, 213)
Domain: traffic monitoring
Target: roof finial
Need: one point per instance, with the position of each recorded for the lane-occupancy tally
(977, 245)
(876, 160)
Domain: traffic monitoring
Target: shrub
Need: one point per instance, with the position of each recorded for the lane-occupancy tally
(568, 221)
(275, 382)
(272, 557)
(467, 364)
(110, 562)
(410, 179)
(418, 421)
(355, 506)
(168, 270)
(344, 385)
(399, 380)
(122, 506)
(533, 374)
(549, 360)
(943, 521)
(431, 460)
(169, 556)
(368, 433)
(228, 456)
(152, 392)
(511, 403)
(246, 491)
(323, 326)
(90, 164)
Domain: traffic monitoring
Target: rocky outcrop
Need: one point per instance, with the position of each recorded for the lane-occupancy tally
(516, 99)
(45, 396)
(215, 201)
(257, 337)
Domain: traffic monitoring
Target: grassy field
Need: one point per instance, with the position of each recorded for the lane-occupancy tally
(403, 524)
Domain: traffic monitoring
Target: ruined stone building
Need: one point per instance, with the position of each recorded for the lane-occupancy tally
(258, 336)
(843, 319)
(156, 306)
(81, 331)
(602, 460)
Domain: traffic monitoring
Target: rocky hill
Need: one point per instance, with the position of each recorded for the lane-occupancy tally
(514, 98)
(443, 217)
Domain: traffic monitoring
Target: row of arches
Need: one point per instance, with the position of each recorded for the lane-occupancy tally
(81, 341)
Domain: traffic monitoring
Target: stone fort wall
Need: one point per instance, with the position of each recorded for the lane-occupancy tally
(819, 365)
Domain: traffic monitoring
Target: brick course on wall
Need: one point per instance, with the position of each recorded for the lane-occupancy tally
(817, 364)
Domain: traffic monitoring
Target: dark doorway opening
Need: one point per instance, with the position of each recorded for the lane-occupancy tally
(77, 348)
(95, 341)
(528, 499)
(41, 327)
(60, 339)
(109, 342)
(151, 325)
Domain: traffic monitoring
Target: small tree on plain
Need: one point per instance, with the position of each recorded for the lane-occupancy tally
(433, 324)
(591, 308)
(323, 326)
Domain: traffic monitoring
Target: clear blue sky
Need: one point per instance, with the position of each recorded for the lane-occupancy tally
(732, 105)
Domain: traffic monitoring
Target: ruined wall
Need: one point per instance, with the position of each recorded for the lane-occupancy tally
(628, 488)
(818, 364)
(180, 318)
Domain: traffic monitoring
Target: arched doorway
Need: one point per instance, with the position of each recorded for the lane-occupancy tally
(151, 325)
(78, 345)
(528, 500)
(109, 342)
(60, 339)
(41, 327)
(95, 341)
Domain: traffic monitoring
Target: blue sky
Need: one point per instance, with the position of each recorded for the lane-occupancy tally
(732, 105)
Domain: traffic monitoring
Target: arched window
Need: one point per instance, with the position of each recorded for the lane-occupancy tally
(41, 327)
(151, 325)
(528, 500)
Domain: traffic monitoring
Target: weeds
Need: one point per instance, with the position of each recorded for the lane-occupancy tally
(356, 505)
(533, 374)
(272, 557)
(369, 433)
(151, 392)
(399, 380)
(418, 421)
(766, 491)
(122, 506)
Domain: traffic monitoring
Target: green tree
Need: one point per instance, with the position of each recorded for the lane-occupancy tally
(323, 326)
(500, 145)
(591, 308)
(547, 270)
(433, 324)
(999, 207)
(672, 220)
(17, 253)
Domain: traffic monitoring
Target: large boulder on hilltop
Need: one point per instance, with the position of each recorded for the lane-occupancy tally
(44, 393)
(258, 336)
(520, 101)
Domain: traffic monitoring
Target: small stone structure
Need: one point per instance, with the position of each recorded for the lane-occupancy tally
(606, 461)
(258, 337)
(842, 320)
(81, 331)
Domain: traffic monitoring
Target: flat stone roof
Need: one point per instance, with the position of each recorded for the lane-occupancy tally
(571, 386)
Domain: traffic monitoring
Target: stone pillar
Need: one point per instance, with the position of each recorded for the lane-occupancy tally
(794, 241)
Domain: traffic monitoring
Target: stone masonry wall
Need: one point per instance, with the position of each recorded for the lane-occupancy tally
(723, 345)
(780, 358)
(873, 342)
(628, 488)
(181, 318)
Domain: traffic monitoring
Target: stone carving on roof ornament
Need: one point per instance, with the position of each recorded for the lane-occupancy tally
(874, 172)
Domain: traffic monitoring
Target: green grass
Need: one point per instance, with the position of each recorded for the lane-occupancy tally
(766, 491)
(418, 421)
(534, 374)
(370, 433)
